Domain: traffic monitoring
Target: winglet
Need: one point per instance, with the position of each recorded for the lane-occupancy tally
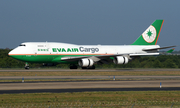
(170, 51)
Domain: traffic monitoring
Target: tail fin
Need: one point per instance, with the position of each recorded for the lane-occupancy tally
(150, 35)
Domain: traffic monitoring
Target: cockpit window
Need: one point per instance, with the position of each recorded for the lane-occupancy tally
(22, 45)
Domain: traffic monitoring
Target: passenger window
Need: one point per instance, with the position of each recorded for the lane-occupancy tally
(40, 45)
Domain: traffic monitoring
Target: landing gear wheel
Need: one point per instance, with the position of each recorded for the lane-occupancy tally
(26, 67)
(84, 67)
(92, 67)
(73, 67)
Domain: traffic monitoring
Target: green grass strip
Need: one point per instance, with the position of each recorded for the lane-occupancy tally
(97, 99)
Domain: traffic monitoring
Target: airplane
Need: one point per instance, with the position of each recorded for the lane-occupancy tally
(85, 56)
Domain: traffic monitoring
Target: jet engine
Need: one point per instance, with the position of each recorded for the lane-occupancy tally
(86, 62)
(120, 60)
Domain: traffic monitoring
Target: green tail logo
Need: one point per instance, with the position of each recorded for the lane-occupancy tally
(151, 34)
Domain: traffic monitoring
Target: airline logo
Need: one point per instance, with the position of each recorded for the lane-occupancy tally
(80, 49)
(150, 34)
(65, 50)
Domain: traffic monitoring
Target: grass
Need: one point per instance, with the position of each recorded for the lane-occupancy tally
(97, 99)
(91, 73)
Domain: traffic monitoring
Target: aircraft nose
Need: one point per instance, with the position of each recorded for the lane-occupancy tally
(10, 53)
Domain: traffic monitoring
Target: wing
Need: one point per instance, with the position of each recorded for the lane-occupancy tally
(92, 57)
(96, 58)
(99, 57)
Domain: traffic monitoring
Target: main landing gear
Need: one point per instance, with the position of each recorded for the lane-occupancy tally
(26, 66)
(92, 67)
(73, 67)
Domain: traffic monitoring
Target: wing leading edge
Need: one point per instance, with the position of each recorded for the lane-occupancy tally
(99, 57)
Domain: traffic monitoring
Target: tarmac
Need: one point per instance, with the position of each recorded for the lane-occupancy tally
(90, 77)
(79, 86)
(120, 83)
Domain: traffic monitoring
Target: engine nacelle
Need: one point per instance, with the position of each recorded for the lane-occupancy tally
(86, 62)
(120, 60)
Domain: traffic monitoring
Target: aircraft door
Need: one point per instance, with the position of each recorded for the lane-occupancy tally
(35, 53)
(48, 47)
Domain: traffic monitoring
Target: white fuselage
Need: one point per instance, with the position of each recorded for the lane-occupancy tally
(53, 48)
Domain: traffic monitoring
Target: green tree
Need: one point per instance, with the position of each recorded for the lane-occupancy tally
(157, 64)
(170, 64)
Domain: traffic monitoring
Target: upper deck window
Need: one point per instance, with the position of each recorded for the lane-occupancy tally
(22, 45)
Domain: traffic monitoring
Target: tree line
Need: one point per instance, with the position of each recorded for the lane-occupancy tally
(161, 61)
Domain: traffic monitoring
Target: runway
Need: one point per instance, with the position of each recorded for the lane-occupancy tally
(90, 77)
(88, 84)
(79, 86)
(33, 84)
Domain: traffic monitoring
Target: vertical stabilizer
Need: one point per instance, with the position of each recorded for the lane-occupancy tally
(151, 34)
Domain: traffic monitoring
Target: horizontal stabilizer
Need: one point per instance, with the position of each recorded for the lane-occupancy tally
(152, 49)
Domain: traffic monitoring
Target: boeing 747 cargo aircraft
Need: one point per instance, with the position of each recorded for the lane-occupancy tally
(85, 56)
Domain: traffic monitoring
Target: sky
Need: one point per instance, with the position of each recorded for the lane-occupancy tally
(86, 22)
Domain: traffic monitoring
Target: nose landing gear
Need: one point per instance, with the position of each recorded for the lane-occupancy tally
(26, 66)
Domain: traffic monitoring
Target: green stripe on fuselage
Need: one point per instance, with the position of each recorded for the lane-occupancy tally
(44, 58)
